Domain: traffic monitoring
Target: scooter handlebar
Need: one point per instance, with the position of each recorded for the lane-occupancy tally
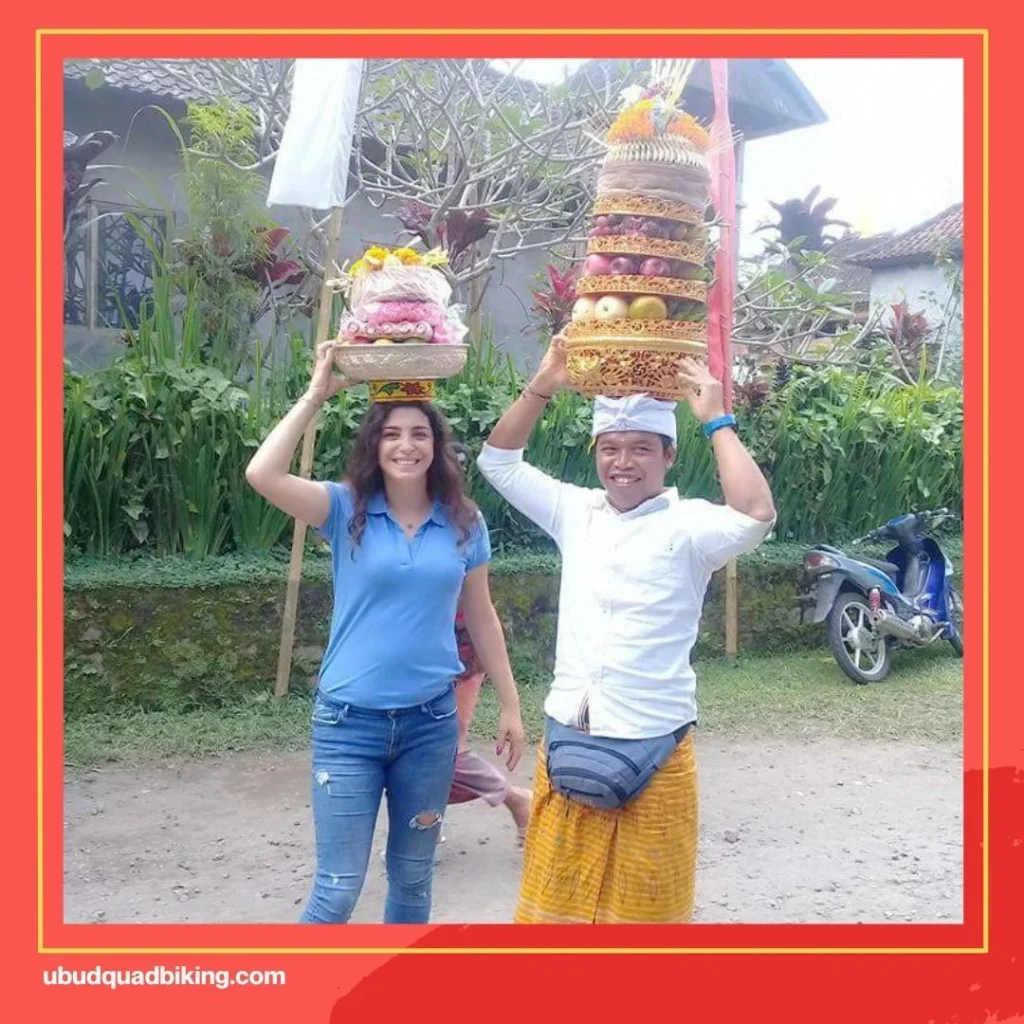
(869, 536)
(935, 517)
(930, 517)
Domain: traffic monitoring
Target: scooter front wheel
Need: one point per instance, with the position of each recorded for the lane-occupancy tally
(860, 650)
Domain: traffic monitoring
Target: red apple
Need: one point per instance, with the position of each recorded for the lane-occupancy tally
(655, 266)
(623, 265)
(597, 265)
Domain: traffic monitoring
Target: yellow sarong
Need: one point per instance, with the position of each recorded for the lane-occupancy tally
(633, 865)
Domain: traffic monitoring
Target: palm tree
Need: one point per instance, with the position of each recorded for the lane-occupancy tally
(804, 221)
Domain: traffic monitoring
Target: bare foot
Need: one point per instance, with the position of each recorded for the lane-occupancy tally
(518, 802)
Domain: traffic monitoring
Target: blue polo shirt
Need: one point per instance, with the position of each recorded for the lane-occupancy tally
(392, 641)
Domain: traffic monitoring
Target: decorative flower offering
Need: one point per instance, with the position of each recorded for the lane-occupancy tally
(644, 284)
(401, 332)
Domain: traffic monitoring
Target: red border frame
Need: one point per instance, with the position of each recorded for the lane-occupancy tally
(894, 986)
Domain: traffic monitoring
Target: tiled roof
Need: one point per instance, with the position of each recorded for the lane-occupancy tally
(943, 232)
(152, 78)
(149, 77)
(852, 278)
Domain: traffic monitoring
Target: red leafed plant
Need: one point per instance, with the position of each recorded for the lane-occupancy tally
(553, 305)
(751, 395)
(262, 260)
(907, 333)
(272, 265)
(455, 232)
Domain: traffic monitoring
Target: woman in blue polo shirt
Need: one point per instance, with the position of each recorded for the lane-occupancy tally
(406, 546)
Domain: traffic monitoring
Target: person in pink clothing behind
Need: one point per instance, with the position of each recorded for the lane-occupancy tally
(476, 778)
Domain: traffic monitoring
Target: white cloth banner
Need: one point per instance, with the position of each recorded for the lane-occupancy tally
(311, 168)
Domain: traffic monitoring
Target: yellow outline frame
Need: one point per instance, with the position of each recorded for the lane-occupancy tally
(983, 33)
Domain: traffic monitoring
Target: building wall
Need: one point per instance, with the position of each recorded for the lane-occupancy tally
(924, 287)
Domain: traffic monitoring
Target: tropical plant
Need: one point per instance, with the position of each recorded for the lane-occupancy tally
(78, 154)
(552, 306)
(802, 223)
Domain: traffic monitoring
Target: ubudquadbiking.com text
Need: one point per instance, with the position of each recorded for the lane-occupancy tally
(114, 979)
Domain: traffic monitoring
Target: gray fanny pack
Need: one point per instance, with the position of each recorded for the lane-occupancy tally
(600, 771)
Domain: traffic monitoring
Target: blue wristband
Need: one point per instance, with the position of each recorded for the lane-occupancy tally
(716, 424)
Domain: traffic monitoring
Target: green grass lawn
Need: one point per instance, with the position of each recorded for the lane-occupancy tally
(801, 694)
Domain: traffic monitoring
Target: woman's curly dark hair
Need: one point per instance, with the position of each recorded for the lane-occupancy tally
(444, 477)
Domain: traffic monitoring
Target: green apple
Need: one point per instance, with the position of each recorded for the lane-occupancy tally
(583, 308)
(648, 307)
(611, 307)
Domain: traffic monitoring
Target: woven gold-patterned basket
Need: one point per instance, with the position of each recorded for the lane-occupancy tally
(637, 330)
(408, 361)
(617, 366)
(647, 206)
(636, 245)
(635, 284)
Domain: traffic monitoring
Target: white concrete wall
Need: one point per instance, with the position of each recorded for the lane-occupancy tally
(926, 289)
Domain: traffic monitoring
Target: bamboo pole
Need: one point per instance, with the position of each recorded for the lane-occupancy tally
(732, 601)
(732, 608)
(291, 600)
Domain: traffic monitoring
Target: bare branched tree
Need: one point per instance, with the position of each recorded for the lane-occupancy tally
(788, 308)
(466, 150)
(469, 157)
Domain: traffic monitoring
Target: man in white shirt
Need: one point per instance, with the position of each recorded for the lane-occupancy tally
(636, 561)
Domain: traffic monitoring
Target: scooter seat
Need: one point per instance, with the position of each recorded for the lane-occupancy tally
(887, 567)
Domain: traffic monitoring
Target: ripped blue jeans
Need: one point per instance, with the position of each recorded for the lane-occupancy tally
(359, 755)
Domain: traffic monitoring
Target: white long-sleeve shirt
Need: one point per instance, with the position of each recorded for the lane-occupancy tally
(632, 590)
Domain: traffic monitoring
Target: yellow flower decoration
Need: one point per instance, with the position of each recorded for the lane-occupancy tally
(375, 256)
(410, 257)
(378, 257)
(635, 122)
(689, 128)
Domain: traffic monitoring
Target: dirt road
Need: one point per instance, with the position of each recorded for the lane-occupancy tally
(795, 830)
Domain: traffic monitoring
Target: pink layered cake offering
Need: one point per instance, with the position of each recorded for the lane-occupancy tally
(400, 296)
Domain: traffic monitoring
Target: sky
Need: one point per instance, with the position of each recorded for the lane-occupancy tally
(891, 151)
